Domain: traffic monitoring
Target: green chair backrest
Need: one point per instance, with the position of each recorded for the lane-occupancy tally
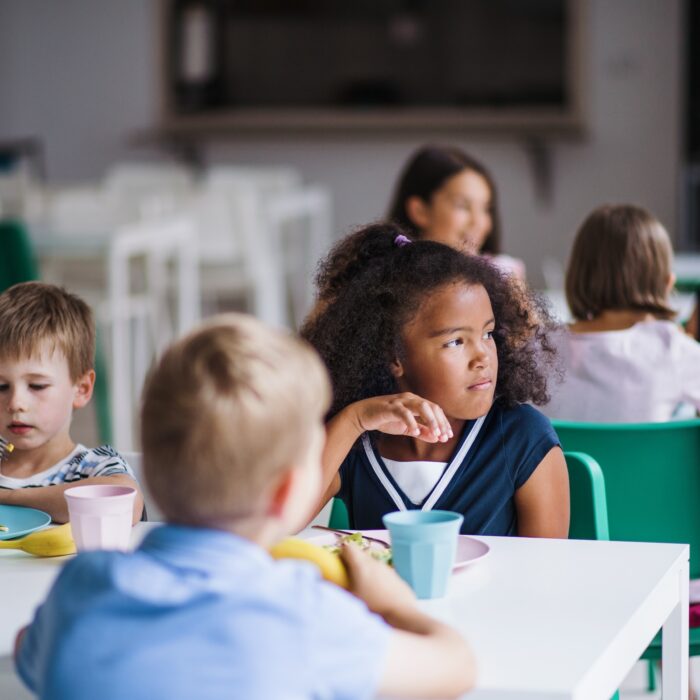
(652, 478)
(17, 263)
(340, 520)
(589, 511)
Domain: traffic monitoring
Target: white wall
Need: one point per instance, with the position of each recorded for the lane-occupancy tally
(81, 74)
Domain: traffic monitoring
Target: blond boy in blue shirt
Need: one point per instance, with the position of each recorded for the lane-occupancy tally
(47, 351)
(232, 427)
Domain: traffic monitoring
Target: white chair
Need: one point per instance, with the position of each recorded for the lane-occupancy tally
(299, 232)
(237, 254)
(153, 298)
(268, 179)
(235, 259)
(143, 189)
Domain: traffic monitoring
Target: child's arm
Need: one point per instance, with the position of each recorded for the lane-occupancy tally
(542, 502)
(425, 659)
(51, 500)
(396, 414)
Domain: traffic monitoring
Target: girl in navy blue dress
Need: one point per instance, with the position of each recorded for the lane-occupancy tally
(432, 355)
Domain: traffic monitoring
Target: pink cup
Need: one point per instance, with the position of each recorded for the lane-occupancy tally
(100, 516)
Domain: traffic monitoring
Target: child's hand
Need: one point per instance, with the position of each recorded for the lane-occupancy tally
(404, 414)
(377, 584)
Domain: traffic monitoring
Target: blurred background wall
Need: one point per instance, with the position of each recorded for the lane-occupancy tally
(82, 75)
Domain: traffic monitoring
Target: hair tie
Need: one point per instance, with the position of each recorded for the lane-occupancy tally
(401, 240)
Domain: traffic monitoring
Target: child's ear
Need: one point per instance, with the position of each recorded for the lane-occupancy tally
(671, 283)
(417, 211)
(280, 495)
(396, 368)
(83, 389)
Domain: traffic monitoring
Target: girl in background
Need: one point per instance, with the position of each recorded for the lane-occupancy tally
(432, 356)
(447, 196)
(624, 359)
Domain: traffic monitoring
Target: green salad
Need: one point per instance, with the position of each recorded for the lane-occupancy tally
(374, 549)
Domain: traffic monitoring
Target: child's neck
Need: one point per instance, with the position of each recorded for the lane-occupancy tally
(612, 320)
(21, 464)
(402, 448)
(260, 530)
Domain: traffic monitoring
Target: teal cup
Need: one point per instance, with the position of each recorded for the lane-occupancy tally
(423, 547)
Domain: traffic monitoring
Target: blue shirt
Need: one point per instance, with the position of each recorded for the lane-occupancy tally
(199, 614)
(494, 457)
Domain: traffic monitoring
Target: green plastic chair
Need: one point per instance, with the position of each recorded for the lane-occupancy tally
(339, 520)
(652, 485)
(589, 512)
(17, 261)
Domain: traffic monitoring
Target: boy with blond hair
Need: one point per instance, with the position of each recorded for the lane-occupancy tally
(47, 349)
(232, 426)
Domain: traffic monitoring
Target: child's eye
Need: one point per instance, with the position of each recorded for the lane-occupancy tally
(37, 387)
(4, 387)
(453, 343)
(488, 335)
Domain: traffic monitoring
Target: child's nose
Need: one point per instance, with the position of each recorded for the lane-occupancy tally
(17, 401)
(480, 356)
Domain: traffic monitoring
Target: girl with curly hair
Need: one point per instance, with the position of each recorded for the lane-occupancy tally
(432, 354)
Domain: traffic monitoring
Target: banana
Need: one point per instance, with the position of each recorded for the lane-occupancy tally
(50, 542)
(331, 566)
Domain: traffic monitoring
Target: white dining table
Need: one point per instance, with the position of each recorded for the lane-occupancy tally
(548, 619)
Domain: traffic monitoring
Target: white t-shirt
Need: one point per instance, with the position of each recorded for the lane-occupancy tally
(416, 479)
(637, 375)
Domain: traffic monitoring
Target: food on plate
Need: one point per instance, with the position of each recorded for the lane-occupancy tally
(371, 547)
(329, 563)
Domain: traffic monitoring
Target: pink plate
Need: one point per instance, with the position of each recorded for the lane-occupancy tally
(469, 549)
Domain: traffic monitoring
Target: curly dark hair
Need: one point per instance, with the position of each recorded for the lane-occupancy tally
(370, 288)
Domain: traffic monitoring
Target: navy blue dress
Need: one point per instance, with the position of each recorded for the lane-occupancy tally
(495, 456)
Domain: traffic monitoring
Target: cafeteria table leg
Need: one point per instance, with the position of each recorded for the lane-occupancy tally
(674, 651)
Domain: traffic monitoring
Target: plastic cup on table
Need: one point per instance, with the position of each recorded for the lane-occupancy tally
(100, 516)
(423, 547)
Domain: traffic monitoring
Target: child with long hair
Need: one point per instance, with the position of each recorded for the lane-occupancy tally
(432, 356)
(624, 359)
(443, 194)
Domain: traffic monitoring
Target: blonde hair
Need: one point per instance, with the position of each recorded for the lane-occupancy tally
(33, 313)
(621, 259)
(226, 409)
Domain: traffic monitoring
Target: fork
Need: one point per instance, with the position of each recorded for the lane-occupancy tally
(348, 532)
(5, 448)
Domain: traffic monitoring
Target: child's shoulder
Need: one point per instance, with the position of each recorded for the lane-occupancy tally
(523, 415)
(98, 461)
(520, 423)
